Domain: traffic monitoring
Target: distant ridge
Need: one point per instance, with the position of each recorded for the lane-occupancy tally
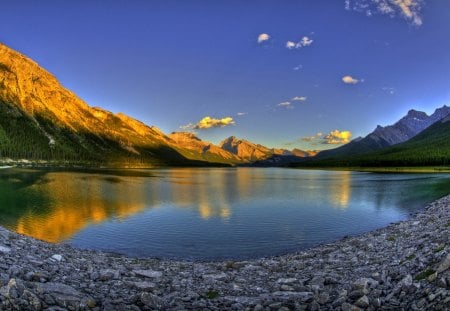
(250, 152)
(431, 147)
(406, 128)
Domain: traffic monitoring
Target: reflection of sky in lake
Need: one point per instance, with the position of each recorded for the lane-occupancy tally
(208, 213)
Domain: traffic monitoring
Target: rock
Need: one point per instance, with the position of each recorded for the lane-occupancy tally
(407, 280)
(444, 265)
(148, 273)
(151, 300)
(357, 294)
(108, 274)
(376, 303)
(364, 283)
(287, 280)
(57, 257)
(286, 287)
(432, 277)
(441, 282)
(362, 302)
(323, 298)
(144, 286)
(258, 307)
(4, 249)
(63, 295)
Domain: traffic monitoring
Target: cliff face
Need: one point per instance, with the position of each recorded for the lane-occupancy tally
(39, 118)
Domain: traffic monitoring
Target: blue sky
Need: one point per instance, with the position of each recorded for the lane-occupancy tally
(173, 63)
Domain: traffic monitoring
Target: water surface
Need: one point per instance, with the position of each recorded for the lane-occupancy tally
(208, 213)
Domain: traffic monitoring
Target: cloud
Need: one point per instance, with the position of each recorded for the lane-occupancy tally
(287, 105)
(263, 37)
(408, 9)
(290, 45)
(308, 138)
(305, 41)
(313, 138)
(299, 98)
(337, 137)
(187, 127)
(350, 80)
(208, 122)
(299, 67)
(241, 113)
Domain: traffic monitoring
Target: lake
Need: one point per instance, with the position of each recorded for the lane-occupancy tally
(205, 214)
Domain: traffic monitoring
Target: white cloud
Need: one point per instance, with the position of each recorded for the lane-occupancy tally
(287, 105)
(208, 122)
(337, 137)
(305, 41)
(241, 113)
(263, 37)
(299, 67)
(408, 9)
(350, 80)
(299, 98)
(187, 127)
(290, 45)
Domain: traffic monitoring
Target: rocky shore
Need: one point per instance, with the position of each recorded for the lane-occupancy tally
(405, 266)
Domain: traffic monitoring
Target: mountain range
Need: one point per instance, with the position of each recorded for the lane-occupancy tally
(415, 140)
(40, 120)
(406, 128)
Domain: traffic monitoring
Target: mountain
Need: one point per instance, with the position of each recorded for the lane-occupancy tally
(304, 153)
(247, 151)
(259, 155)
(194, 148)
(431, 147)
(42, 120)
(406, 128)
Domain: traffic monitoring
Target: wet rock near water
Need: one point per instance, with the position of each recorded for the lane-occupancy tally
(405, 266)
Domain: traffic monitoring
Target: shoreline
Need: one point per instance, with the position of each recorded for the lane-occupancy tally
(405, 265)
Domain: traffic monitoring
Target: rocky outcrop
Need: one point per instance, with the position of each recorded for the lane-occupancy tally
(405, 266)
